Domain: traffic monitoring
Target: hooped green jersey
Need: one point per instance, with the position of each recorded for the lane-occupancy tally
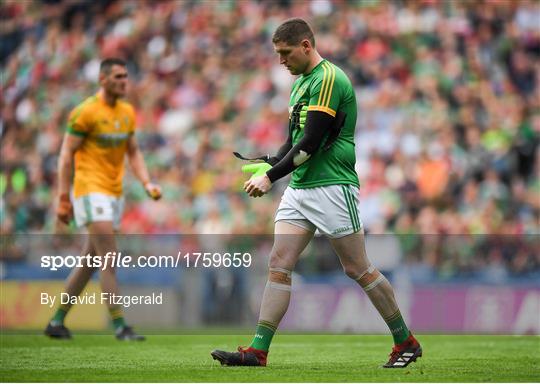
(328, 89)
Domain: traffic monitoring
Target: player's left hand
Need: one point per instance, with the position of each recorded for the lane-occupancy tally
(153, 190)
(257, 186)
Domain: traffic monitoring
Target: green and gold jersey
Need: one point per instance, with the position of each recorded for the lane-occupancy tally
(327, 89)
(99, 162)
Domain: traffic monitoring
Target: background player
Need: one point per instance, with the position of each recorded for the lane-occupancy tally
(322, 195)
(99, 134)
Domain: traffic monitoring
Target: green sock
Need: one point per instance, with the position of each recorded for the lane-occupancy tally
(263, 335)
(397, 326)
(60, 315)
(117, 316)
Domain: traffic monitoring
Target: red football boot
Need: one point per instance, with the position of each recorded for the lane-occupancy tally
(404, 353)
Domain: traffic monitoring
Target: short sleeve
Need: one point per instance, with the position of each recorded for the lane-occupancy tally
(78, 123)
(324, 95)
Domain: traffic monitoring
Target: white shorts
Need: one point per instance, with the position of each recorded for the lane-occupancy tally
(333, 209)
(98, 207)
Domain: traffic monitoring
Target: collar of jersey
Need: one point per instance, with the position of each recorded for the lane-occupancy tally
(101, 99)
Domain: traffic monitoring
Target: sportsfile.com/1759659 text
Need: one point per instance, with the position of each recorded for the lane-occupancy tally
(117, 260)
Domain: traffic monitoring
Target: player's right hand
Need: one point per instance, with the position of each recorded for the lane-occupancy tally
(257, 186)
(64, 210)
(153, 190)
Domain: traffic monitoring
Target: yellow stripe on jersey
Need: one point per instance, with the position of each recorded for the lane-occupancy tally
(322, 85)
(331, 85)
(320, 108)
(324, 88)
(327, 84)
(325, 94)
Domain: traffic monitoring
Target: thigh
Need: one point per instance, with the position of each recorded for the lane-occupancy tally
(118, 210)
(289, 242)
(351, 251)
(102, 237)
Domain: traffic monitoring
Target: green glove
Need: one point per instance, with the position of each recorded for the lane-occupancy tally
(3, 183)
(18, 180)
(258, 169)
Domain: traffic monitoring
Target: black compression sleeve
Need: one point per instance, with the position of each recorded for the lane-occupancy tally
(317, 125)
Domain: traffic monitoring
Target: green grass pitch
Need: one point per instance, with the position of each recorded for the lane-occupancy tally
(293, 358)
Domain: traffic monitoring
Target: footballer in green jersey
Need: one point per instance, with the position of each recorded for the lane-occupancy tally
(322, 195)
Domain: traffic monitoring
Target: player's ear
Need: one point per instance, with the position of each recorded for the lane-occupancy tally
(102, 77)
(306, 46)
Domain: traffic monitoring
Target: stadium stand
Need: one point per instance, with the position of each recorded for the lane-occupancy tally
(447, 137)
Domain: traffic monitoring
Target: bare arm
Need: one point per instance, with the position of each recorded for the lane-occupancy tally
(64, 209)
(65, 163)
(136, 161)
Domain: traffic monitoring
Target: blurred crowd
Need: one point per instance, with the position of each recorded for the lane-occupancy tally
(447, 138)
